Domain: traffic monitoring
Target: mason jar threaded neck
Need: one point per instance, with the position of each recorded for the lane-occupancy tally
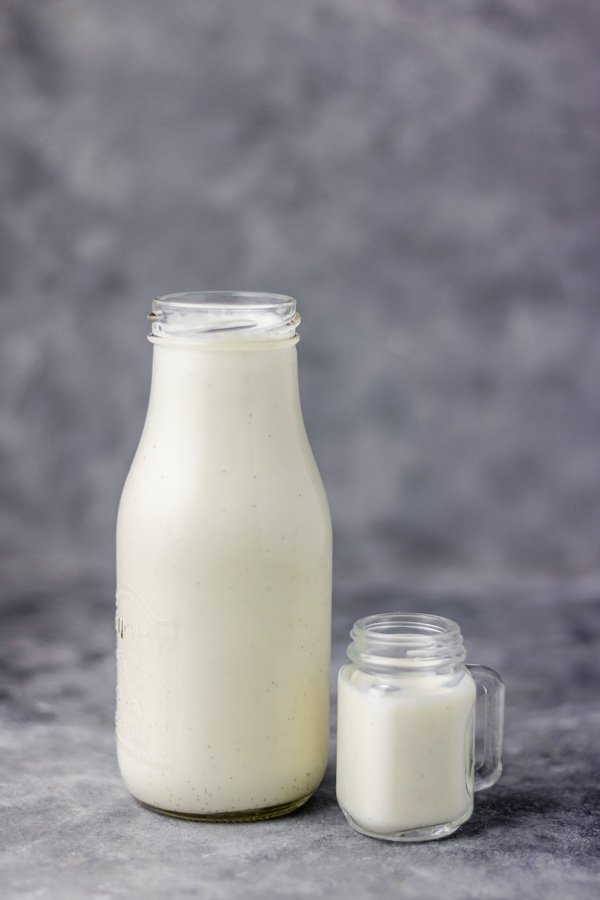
(406, 642)
(220, 315)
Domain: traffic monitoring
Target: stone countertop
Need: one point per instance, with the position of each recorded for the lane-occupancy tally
(70, 829)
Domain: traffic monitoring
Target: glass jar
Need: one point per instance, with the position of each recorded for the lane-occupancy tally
(406, 707)
(223, 570)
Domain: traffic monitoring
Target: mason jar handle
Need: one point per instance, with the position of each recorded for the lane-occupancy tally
(490, 695)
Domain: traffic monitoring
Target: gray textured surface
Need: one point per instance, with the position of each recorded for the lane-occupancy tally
(70, 830)
(423, 175)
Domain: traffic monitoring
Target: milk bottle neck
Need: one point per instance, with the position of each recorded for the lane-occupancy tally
(237, 383)
(225, 360)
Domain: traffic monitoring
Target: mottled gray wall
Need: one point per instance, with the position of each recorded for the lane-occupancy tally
(422, 174)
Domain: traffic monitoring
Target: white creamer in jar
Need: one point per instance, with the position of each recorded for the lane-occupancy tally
(406, 705)
(224, 571)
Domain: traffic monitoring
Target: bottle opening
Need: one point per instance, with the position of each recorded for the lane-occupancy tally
(208, 315)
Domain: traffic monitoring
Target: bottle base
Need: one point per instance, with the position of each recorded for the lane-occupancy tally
(414, 835)
(246, 815)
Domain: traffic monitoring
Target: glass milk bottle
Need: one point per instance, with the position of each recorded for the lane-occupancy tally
(406, 708)
(223, 570)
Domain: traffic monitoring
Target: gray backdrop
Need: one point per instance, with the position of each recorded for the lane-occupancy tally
(423, 175)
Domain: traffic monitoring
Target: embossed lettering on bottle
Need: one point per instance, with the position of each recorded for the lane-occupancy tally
(145, 645)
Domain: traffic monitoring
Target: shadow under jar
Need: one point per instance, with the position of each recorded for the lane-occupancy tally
(406, 709)
(223, 570)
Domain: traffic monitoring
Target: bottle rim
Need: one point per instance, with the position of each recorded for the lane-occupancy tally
(225, 299)
(210, 315)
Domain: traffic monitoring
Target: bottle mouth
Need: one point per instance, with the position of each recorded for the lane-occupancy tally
(210, 315)
(406, 640)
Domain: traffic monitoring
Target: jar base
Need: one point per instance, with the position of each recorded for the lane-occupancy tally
(414, 835)
(246, 815)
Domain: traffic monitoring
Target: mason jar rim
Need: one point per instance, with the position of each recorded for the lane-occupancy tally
(398, 626)
(405, 640)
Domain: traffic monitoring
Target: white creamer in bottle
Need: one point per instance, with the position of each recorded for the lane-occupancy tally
(223, 570)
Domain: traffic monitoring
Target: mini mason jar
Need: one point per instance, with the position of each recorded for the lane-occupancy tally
(406, 713)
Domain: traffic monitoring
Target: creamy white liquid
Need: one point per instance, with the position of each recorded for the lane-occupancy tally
(224, 588)
(405, 751)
